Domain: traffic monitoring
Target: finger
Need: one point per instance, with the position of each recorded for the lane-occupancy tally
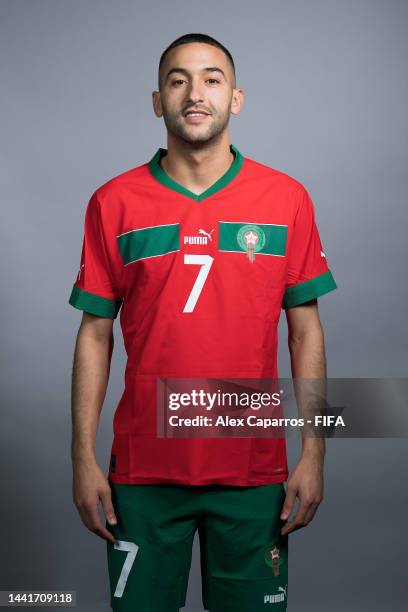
(98, 528)
(290, 527)
(288, 503)
(104, 533)
(93, 522)
(298, 521)
(107, 506)
(311, 512)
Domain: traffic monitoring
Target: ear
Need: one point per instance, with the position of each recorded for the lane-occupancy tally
(156, 101)
(237, 101)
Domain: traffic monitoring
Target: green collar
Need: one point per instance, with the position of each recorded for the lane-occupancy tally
(163, 178)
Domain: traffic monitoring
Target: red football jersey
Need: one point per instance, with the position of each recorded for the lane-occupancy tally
(200, 282)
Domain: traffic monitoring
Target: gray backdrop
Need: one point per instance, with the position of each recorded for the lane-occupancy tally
(326, 100)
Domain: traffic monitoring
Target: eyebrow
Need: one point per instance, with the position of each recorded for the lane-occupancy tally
(185, 71)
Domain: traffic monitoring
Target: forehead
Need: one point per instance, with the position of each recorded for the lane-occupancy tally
(195, 56)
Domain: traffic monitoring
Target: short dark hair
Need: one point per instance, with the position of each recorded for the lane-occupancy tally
(200, 38)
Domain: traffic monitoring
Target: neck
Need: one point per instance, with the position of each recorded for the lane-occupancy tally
(197, 166)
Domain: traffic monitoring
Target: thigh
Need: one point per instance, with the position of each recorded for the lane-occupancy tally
(149, 563)
(244, 558)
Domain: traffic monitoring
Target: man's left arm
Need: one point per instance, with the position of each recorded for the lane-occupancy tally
(308, 361)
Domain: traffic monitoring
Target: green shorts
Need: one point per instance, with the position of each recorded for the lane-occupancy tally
(244, 559)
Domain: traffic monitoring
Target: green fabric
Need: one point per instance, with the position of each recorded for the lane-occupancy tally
(274, 237)
(89, 302)
(238, 528)
(309, 290)
(163, 178)
(148, 242)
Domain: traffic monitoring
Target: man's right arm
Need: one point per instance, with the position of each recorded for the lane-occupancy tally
(90, 376)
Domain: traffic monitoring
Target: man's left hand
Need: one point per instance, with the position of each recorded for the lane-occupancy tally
(306, 483)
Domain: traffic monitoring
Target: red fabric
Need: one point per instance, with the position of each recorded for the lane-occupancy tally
(306, 258)
(232, 331)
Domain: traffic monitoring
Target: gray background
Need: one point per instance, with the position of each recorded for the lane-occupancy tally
(326, 100)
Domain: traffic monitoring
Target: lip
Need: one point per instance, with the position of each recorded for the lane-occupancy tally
(196, 118)
(198, 110)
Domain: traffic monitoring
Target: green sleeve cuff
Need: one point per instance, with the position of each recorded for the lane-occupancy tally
(100, 306)
(309, 290)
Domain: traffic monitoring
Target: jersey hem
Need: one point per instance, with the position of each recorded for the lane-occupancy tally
(249, 482)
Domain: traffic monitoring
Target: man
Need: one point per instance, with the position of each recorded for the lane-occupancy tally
(199, 249)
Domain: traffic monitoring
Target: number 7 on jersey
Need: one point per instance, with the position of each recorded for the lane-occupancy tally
(205, 261)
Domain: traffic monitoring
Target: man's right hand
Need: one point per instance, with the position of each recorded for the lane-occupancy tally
(89, 487)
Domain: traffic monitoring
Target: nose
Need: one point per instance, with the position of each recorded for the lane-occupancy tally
(195, 92)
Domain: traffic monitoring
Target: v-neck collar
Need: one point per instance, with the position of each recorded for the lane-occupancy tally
(163, 178)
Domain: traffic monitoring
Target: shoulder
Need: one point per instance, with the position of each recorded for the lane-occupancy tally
(277, 178)
(129, 181)
(282, 187)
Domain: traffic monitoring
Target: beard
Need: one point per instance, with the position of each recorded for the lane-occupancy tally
(216, 124)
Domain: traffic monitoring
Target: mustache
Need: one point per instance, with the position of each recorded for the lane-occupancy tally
(196, 110)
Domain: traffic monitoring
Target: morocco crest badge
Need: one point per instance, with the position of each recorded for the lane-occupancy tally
(275, 554)
(251, 238)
